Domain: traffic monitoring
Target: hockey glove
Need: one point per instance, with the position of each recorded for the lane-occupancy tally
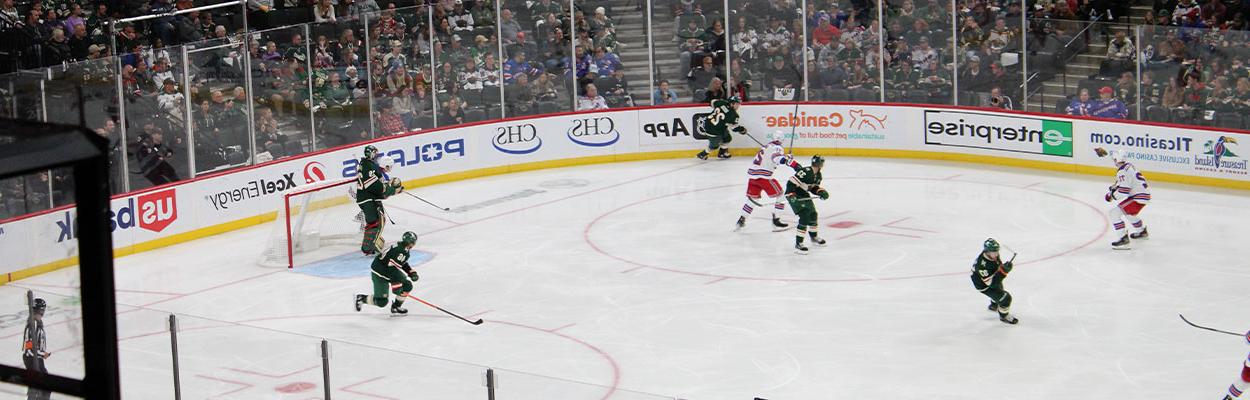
(1007, 268)
(740, 129)
(1101, 152)
(398, 185)
(824, 194)
(1108, 197)
(412, 275)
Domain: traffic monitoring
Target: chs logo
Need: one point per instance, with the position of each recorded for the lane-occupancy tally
(594, 132)
(155, 211)
(517, 139)
(314, 172)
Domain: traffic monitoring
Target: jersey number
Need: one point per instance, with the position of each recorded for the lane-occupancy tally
(717, 115)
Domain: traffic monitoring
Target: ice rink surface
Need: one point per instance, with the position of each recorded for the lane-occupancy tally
(618, 280)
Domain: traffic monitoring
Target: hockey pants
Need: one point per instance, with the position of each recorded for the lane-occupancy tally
(375, 220)
(805, 209)
(35, 364)
(995, 292)
(391, 280)
(1126, 212)
(716, 141)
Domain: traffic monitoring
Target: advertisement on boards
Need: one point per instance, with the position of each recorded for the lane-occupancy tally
(827, 125)
(1000, 132)
(1166, 149)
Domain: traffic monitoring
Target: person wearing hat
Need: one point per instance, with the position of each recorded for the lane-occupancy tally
(780, 75)
(35, 346)
(988, 273)
(1107, 106)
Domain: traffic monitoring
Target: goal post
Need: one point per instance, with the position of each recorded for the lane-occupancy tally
(310, 220)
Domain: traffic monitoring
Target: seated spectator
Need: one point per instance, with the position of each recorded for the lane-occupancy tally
(616, 89)
(268, 138)
(1195, 91)
(998, 100)
(825, 33)
(781, 76)
(605, 62)
(509, 27)
(714, 91)
(1120, 55)
(1174, 94)
(543, 88)
(591, 100)
(1107, 106)
(1126, 87)
(323, 11)
(1152, 92)
(154, 155)
(663, 94)
(389, 122)
(451, 114)
(517, 66)
(831, 76)
(702, 76)
(691, 44)
(1219, 96)
(356, 8)
(520, 98)
(974, 78)
(170, 100)
(1081, 105)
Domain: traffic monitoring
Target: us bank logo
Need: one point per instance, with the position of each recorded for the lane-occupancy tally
(594, 132)
(1218, 156)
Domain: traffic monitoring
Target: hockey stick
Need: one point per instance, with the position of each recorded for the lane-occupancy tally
(1209, 329)
(794, 124)
(427, 202)
(478, 322)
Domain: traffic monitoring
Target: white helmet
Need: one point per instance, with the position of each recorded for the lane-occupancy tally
(1117, 156)
(776, 137)
(386, 162)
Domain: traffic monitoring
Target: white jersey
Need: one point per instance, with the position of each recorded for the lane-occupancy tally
(767, 160)
(1130, 185)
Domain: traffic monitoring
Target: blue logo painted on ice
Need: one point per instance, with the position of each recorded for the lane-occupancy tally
(517, 139)
(594, 132)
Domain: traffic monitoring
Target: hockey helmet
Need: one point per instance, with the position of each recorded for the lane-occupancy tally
(409, 238)
(775, 137)
(733, 100)
(39, 305)
(818, 161)
(1117, 156)
(991, 245)
(371, 152)
(386, 162)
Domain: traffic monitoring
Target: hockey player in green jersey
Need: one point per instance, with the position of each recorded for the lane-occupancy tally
(988, 273)
(718, 124)
(390, 272)
(371, 188)
(799, 191)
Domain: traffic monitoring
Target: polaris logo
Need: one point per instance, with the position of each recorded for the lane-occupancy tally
(419, 154)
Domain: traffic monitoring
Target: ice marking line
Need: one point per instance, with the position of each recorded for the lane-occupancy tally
(631, 270)
(25, 285)
(612, 186)
(1031, 185)
(480, 313)
(245, 386)
(351, 389)
(716, 280)
(891, 225)
(562, 327)
(952, 177)
(215, 287)
(421, 214)
(287, 375)
(834, 215)
(880, 233)
(594, 246)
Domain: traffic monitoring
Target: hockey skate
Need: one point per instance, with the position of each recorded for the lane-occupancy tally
(1122, 244)
(1143, 235)
(360, 301)
(397, 310)
(799, 248)
(742, 223)
(1008, 319)
(723, 153)
(817, 240)
(779, 226)
(702, 155)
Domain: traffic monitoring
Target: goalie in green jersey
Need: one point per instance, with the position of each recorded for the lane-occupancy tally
(371, 188)
(799, 191)
(718, 124)
(390, 272)
(988, 273)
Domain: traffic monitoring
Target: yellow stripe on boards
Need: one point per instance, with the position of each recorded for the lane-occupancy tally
(613, 158)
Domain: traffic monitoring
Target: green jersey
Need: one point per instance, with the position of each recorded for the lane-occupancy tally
(990, 272)
(802, 184)
(371, 182)
(722, 119)
(395, 258)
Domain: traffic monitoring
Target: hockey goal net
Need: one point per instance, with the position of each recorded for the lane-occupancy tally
(314, 222)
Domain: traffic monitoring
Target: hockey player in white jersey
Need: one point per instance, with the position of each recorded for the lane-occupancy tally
(1240, 385)
(760, 180)
(1132, 193)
